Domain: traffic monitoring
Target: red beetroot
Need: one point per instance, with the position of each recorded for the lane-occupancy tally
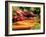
(20, 18)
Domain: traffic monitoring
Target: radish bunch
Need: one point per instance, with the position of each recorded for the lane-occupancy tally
(22, 14)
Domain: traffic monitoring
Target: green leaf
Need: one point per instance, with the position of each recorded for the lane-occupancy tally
(37, 26)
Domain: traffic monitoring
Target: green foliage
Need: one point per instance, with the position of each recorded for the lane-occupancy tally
(22, 8)
(27, 8)
(37, 26)
(37, 10)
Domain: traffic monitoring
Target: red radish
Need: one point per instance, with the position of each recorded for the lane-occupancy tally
(14, 16)
(20, 18)
(19, 12)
